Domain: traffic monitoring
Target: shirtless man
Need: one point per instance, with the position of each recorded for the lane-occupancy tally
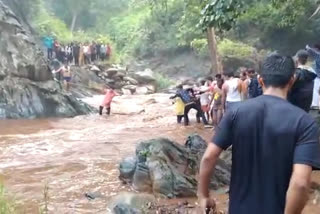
(66, 72)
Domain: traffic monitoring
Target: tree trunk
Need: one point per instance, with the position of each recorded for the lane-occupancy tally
(74, 21)
(216, 66)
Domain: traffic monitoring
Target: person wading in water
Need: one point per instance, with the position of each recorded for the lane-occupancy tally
(274, 148)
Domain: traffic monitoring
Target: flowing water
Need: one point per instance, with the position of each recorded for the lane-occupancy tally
(78, 155)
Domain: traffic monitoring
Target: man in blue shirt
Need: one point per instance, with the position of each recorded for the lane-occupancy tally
(274, 148)
(48, 42)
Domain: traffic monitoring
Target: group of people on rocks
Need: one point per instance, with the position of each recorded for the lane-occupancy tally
(274, 141)
(212, 97)
(77, 53)
(61, 56)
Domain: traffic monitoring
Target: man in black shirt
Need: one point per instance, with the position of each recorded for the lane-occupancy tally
(274, 148)
(302, 91)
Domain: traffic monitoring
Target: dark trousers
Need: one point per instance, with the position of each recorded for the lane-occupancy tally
(197, 107)
(50, 53)
(179, 118)
(76, 59)
(101, 109)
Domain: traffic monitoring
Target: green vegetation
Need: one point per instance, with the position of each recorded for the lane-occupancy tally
(147, 28)
(163, 82)
(6, 206)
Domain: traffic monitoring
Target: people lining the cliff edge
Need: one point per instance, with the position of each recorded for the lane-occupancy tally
(109, 95)
(77, 53)
(48, 43)
(302, 91)
(275, 147)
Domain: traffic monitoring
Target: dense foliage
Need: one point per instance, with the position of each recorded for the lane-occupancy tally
(145, 28)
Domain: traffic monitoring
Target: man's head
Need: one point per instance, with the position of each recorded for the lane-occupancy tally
(203, 82)
(218, 76)
(251, 72)
(277, 72)
(209, 80)
(220, 83)
(302, 57)
(180, 86)
(243, 75)
(228, 74)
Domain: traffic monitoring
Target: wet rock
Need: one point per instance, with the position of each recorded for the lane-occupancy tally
(23, 98)
(19, 55)
(144, 77)
(111, 72)
(195, 143)
(122, 208)
(95, 68)
(127, 168)
(132, 88)
(169, 169)
(131, 203)
(126, 91)
(144, 90)
(131, 80)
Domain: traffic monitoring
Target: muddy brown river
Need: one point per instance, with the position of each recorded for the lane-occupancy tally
(78, 155)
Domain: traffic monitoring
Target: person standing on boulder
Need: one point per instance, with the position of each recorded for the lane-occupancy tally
(76, 54)
(275, 147)
(66, 72)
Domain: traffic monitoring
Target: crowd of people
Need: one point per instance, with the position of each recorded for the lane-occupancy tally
(61, 56)
(274, 141)
(212, 97)
(77, 53)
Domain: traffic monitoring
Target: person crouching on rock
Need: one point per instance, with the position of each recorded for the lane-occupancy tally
(110, 94)
(66, 72)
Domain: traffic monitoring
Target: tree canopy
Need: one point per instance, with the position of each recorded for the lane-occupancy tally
(143, 28)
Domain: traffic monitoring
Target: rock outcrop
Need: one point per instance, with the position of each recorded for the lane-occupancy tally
(27, 89)
(167, 168)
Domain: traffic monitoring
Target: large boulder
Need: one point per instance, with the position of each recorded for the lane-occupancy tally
(166, 168)
(23, 98)
(27, 89)
(144, 77)
(19, 55)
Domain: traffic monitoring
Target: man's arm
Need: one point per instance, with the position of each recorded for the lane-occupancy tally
(207, 166)
(297, 194)
(224, 95)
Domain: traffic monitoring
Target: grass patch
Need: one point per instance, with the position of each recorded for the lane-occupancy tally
(6, 206)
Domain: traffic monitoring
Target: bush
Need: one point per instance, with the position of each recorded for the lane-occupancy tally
(163, 81)
(228, 48)
(200, 46)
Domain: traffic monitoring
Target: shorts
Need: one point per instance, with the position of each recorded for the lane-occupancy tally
(205, 108)
(67, 79)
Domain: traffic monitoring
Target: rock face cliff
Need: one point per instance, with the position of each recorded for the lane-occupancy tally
(27, 89)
